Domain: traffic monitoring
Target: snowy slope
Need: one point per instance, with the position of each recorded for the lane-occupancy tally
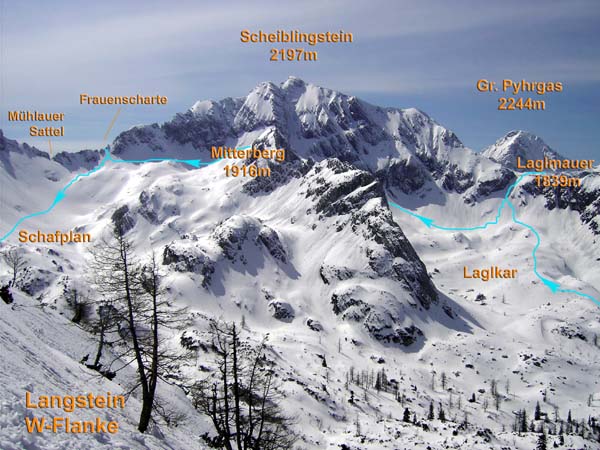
(41, 350)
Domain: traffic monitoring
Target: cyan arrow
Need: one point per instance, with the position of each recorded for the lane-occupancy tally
(192, 162)
(426, 220)
(59, 197)
(551, 284)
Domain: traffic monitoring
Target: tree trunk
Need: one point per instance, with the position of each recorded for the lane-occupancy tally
(236, 387)
(100, 345)
(146, 400)
(146, 413)
(153, 375)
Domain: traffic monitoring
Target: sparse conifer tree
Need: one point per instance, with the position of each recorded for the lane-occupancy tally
(523, 425)
(542, 442)
(15, 260)
(441, 414)
(357, 424)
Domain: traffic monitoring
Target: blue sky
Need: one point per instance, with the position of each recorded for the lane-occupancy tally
(424, 54)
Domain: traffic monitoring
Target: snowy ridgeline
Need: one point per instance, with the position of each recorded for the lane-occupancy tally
(375, 339)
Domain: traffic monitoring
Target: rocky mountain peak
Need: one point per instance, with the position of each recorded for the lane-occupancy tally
(521, 144)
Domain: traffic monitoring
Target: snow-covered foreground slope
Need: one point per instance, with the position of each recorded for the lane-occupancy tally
(315, 258)
(41, 350)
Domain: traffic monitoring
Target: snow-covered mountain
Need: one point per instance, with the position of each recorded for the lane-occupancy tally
(406, 149)
(519, 144)
(315, 257)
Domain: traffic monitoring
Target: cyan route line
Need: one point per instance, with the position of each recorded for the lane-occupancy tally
(553, 285)
(107, 157)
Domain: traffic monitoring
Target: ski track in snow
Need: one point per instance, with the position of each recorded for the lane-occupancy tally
(553, 285)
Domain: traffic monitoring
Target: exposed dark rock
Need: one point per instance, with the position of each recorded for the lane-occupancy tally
(282, 311)
(349, 307)
(147, 135)
(187, 257)
(499, 183)
(270, 239)
(583, 199)
(34, 280)
(281, 173)
(122, 219)
(404, 174)
(235, 231)
(330, 273)
(348, 192)
(397, 258)
(191, 340)
(394, 335)
(146, 208)
(84, 159)
(7, 296)
(314, 325)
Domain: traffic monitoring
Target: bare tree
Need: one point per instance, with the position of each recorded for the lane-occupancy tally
(132, 297)
(240, 398)
(159, 314)
(79, 303)
(16, 262)
(104, 326)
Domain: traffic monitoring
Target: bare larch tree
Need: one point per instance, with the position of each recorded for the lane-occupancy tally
(15, 260)
(133, 293)
(240, 397)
